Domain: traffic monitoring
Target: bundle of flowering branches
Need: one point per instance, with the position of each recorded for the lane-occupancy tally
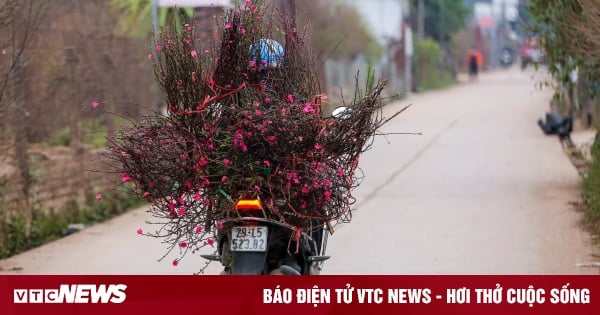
(237, 125)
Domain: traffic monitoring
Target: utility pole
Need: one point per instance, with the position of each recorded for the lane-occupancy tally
(494, 39)
(74, 125)
(421, 20)
(420, 36)
(19, 129)
(408, 55)
(71, 60)
(442, 16)
(407, 36)
(107, 79)
(155, 17)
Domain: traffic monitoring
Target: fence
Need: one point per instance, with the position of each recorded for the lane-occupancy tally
(342, 76)
(60, 175)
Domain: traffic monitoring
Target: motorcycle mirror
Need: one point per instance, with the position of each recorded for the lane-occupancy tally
(341, 112)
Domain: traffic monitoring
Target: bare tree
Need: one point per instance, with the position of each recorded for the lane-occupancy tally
(585, 24)
(19, 21)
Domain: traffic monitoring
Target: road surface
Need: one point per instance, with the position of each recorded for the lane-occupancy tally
(481, 191)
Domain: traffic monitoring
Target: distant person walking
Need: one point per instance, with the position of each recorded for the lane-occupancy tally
(475, 62)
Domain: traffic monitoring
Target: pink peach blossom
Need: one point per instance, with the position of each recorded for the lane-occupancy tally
(305, 189)
(125, 178)
(308, 108)
(327, 195)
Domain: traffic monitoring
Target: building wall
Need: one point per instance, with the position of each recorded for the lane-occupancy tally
(384, 17)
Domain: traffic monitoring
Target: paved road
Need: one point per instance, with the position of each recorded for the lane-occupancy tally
(482, 191)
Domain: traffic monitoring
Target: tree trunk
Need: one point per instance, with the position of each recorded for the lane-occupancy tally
(288, 8)
(19, 130)
(71, 60)
(107, 96)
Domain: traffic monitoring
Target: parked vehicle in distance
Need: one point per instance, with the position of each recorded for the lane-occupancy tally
(506, 57)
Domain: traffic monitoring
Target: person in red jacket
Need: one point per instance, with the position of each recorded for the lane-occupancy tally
(475, 62)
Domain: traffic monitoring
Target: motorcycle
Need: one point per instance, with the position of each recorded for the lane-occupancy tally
(506, 57)
(556, 124)
(253, 241)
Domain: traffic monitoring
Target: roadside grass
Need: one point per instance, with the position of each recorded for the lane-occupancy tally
(93, 133)
(591, 190)
(438, 80)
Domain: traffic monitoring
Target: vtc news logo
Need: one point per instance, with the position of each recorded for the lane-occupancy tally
(73, 293)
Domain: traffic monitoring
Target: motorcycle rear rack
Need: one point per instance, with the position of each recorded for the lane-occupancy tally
(316, 259)
(263, 220)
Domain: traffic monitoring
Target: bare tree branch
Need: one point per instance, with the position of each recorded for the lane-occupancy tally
(19, 19)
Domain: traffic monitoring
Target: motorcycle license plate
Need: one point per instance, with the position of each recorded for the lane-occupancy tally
(249, 239)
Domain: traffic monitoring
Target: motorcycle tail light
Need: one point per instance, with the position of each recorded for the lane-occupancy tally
(248, 204)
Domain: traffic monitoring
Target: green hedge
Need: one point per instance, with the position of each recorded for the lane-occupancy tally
(430, 74)
(47, 226)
